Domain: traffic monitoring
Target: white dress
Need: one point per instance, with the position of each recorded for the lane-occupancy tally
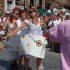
(3, 19)
(2, 32)
(21, 32)
(27, 41)
(11, 45)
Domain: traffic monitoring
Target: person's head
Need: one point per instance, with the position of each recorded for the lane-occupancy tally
(59, 12)
(15, 13)
(65, 3)
(3, 15)
(67, 16)
(63, 10)
(32, 12)
(23, 14)
(35, 20)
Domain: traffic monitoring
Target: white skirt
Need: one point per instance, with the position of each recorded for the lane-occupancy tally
(12, 44)
(12, 48)
(13, 55)
(34, 45)
(18, 44)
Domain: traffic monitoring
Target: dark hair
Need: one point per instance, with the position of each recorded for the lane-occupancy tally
(11, 16)
(23, 11)
(30, 10)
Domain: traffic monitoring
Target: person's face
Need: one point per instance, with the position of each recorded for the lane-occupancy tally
(55, 17)
(35, 20)
(33, 13)
(3, 15)
(23, 15)
(16, 14)
(52, 15)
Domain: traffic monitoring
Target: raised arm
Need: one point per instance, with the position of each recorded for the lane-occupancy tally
(23, 24)
(5, 24)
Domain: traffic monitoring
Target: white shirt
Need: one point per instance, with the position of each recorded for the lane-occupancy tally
(10, 26)
(50, 23)
(3, 19)
(56, 22)
(2, 32)
(23, 30)
(34, 29)
(18, 25)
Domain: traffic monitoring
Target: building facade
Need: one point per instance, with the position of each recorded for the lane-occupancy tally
(38, 4)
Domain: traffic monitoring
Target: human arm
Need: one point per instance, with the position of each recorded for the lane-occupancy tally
(5, 24)
(23, 24)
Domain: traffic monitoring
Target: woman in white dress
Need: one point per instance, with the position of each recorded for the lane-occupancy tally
(10, 24)
(3, 17)
(35, 29)
(21, 32)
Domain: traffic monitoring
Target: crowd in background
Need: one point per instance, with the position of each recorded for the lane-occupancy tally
(52, 17)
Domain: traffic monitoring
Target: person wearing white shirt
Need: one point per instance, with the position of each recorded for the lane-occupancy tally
(32, 31)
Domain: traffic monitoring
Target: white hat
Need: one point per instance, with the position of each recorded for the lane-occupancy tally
(63, 10)
(49, 11)
(55, 10)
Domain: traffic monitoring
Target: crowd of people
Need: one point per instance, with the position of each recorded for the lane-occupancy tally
(28, 22)
(18, 24)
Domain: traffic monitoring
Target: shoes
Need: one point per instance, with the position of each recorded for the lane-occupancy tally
(14, 66)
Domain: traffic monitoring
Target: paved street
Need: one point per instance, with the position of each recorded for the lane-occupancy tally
(51, 61)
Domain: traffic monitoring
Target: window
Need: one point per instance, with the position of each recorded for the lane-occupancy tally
(47, 5)
(39, 5)
(8, 5)
(9, 2)
(17, 3)
(31, 3)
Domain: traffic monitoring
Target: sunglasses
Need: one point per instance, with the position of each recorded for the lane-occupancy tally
(32, 11)
(24, 13)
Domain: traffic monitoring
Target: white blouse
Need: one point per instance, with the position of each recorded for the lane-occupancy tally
(34, 29)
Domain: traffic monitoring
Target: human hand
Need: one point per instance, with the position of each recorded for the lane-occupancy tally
(1, 46)
(10, 34)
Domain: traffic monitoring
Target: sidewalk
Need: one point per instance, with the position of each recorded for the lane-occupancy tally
(51, 61)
